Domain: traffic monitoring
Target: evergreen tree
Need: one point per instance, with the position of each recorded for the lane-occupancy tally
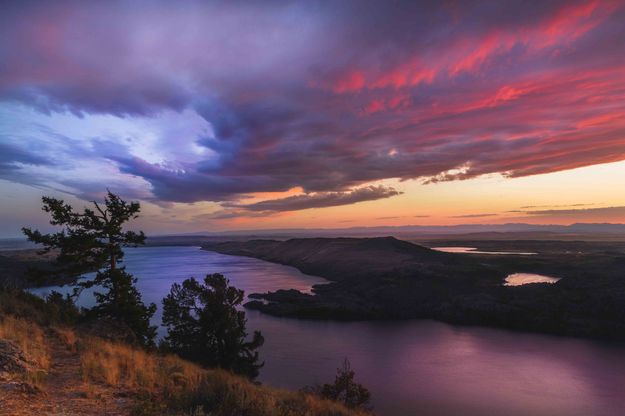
(93, 240)
(204, 325)
(344, 389)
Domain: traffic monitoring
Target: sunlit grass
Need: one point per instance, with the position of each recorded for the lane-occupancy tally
(67, 336)
(31, 340)
(158, 384)
(166, 381)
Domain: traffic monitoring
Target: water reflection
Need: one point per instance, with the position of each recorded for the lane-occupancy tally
(473, 250)
(412, 367)
(518, 279)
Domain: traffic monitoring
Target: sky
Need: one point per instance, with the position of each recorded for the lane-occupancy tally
(278, 114)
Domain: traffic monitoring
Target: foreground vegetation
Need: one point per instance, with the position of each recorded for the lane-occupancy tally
(168, 383)
(202, 319)
(205, 326)
(24, 351)
(111, 347)
(93, 241)
(153, 383)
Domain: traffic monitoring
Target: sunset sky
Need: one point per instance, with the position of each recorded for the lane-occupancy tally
(275, 114)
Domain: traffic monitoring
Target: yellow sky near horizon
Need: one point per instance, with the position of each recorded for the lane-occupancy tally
(589, 194)
(492, 199)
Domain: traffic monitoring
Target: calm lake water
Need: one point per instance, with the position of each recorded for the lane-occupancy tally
(518, 279)
(15, 244)
(411, 367)
(473, 250)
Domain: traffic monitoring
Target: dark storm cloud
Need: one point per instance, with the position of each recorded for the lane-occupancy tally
(320, 200)
(331, 96)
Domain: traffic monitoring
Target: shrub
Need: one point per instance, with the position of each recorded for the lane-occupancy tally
(344, 389)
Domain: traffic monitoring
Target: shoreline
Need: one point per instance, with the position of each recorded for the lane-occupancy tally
(535, 308)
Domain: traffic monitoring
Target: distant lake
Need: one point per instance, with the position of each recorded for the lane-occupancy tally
(518, 279)
(412, 367)
(18, 243)
(473, 250)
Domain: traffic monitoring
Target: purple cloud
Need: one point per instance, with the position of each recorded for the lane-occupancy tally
(327, 97)
(319, 200)
(12, 157)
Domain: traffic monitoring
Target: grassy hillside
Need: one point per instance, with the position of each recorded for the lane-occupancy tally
(47, 367)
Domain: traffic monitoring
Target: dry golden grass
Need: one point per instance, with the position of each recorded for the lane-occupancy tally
(171, 384)
(123, 365)
(67, 336)
(29, 337)
(31, 340)
(160, 384)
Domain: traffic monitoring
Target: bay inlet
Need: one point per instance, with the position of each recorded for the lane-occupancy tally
(411, 367)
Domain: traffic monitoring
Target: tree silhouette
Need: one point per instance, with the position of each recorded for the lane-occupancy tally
(344, 389)
(204, 325)
(93, 240)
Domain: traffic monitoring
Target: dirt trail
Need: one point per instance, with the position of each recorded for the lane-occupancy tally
(64, 393)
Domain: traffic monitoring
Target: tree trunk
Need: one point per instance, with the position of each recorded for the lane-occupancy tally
(115, 283)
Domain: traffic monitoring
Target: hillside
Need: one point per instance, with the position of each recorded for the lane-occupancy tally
(342, 259)
(385, 278)
(15, 264)
(48, 367)
(510, 231)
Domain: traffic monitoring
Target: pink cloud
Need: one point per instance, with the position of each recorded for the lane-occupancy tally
(332, 97)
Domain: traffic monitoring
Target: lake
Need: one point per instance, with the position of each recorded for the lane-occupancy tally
(411, 367)
(519, 279)
(473, 250)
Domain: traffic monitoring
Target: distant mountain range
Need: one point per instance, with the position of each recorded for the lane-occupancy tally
(510, 231)
(578, 228)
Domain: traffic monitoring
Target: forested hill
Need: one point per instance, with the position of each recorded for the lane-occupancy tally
(343, 259)
(386, 278)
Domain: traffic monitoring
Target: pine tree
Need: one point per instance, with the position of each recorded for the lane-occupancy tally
(204, 325)
(93, 241)
(344, 389)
